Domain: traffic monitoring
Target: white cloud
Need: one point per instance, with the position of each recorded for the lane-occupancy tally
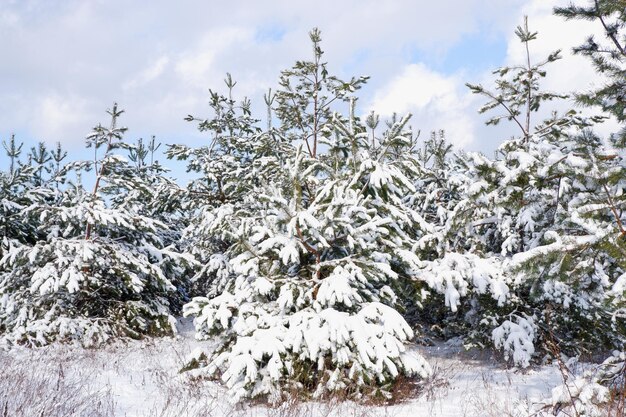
(416, 87)
(98, 51)
(149, 74)
(441, 101)
(199, 64)
(8, 18)
(434, 100)
(55, 115)
(85, 55)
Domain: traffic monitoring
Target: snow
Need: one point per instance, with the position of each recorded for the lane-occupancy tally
(516, 339)
(301, 257)
(336, 288)
(141, 379)
(454, 273)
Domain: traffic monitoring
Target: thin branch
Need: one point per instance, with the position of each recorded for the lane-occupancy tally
(528, 92)
(614, 210)
(609, 33)
(311, 250)
(511, 114)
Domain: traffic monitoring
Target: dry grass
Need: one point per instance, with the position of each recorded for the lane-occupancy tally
(616, 406)
(41, 387)
(141, 379)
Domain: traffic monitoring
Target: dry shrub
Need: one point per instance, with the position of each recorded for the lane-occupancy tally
(616, 406)
(34, 386)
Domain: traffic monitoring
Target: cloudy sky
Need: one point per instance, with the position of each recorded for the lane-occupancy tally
(65, 62)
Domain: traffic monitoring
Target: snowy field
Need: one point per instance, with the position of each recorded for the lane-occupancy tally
(141, 378)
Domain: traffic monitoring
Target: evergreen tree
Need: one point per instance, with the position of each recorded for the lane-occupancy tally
(18, 189)
(456, 277)
(58, 155)
(142, 187)
(227, 170)
(313, 240)
(100, 269)
(38, 158)
(591, 246)
(578, 269)
(526, 196)
(608, 56)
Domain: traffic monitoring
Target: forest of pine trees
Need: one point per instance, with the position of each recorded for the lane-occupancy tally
(313, 246)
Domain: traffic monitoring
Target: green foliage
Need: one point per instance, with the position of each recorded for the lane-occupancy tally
(20, 186)
(309, 242)
(608, 56)
(517, 88)
(548, 196)
(100, 264)
(306, 95)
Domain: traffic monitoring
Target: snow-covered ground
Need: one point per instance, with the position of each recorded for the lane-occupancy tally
(141, 378)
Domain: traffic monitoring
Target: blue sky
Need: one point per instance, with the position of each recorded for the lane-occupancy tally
(65, 62)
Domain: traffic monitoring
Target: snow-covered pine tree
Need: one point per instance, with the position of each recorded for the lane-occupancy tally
(18, 189)
(142, 187)
(225, 176)
(39, 158)
(608, 56)
(313, 233)
(101, 267)
(606, 163)
(596, 232)
(455, 278)
(525, 196)
(578, 268)
(56, 166)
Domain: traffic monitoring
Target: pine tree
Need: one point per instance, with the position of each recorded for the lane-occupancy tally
(306, 94)
(143, 188)
(608, 56)
(597, 233)
(18, 189)
(526, 197)
(100, 268)
(312, 242)
(38, 158)
(227, 173)
(455, 277)
(58, 155)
